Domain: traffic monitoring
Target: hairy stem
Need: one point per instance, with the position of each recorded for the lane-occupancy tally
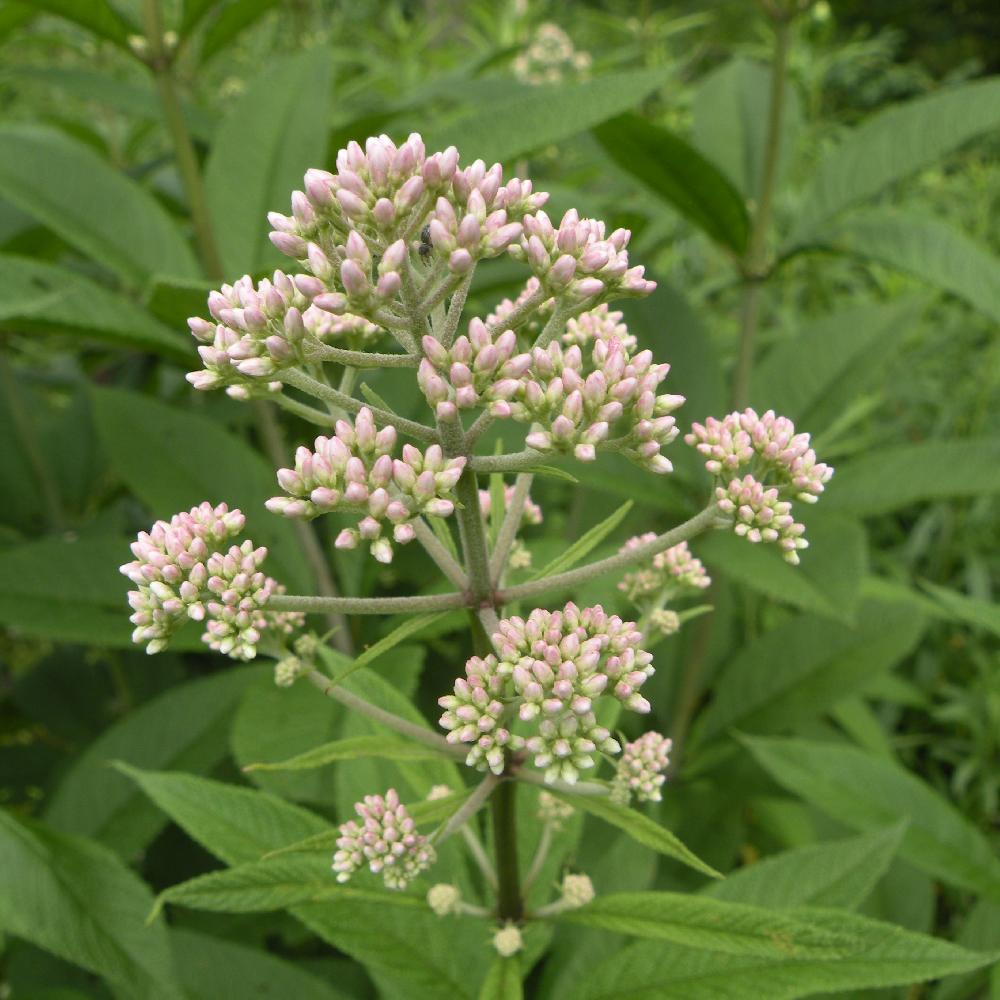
(516, 461)
(538, 861)
(509, 903)
(508, 529)
(369, 605)
(441, 556)
(359, 359)
(469, 808)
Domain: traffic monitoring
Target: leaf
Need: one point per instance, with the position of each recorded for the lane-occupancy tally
(710, 924)
(399, 634)
(69, 591)
(679, 175)
(495, 129)
(866, 791)
(235, 824)
(263, 886)
(211, 968)
(836, 873)
(799, 669)
(797, 373)
(96, 16)
(275, 132)
(503, 981)
(184, 728)
(351, 749)
(889, 478)
(894, 144)
(929, 248)
(173, 300)
(74, 898)
(35, 295)
(234, 18)
(68, 188)
(979, 614)
(586, 543)
(640, 828)
(182, 459)
(886, 955)
(730, 118)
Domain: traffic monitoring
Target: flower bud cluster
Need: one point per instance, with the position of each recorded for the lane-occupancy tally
(601, 323)
(553, 810)
(577, 259)
(577, 402)
(535, 318)
(671, 570)
(354, 471)
(386, 840)
(531, 514)
(184, 572)
(577, 891)
(552, 666)
(760, 516)
(477, 370)
(550, 57)
(444, 899)
(640, 769)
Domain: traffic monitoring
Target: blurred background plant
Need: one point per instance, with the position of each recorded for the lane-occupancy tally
(814, 188)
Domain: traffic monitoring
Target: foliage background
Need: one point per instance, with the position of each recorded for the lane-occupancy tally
(878, 334)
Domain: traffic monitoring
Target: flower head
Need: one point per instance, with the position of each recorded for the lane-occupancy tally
(673, 570)
(640, 769)
(760, 516)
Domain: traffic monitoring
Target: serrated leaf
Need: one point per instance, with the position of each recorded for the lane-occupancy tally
(678, 174)
(351, 749)
(183, 728)
(585, 544)
(799, 669)
(503, 981)
(886, 956)
(67, 187)
(835, 873)
(74, 898)
(866, 791)
(893, 144)
(273, 134)
(42, 297)
(640, 828)
(709, 924)
(494, 130)
(886, 479)
(275, 884)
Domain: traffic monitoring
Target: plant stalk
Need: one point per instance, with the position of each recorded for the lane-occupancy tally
(504, 803)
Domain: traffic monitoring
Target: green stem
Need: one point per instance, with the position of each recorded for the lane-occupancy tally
(368, 605)
(504, 803)
(187, 160)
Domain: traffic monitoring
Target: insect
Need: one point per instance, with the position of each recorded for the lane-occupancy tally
(425, 243)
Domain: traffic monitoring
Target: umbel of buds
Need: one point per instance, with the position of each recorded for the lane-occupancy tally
(641, 767)
(778, 466)
(184, 571)
(674, 569)
(354, 471)
(547, 671)
(386, 840)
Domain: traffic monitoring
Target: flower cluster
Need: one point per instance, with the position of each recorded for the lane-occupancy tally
(183, 571)
(386, 840)
(779, 466)
(552, 666)
(549, 57)
(641, 767)
(600, 323)
(669, 571)
(354, 471)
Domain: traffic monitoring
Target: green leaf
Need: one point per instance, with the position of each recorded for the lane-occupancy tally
(276, 884)
(836, 873)
(730, 121)
(929, 248)
(351, 749)
(678, 174)
(37, 296)
(211, 968)
(889, 478)
(399, 634)
(173, 300)
(586, 543)
(234, 18)
(182, 459)
(74, 898)
(69, 591)
(235, 824)
(886, 955)
(894, 144)
(640, 828)
(979, 614)
(495, 130)
(67, 187)
(799, 669)
(272, 136)
(710, 924)
(866, 791)
(184, 728)
(503, 981)
(96, 16)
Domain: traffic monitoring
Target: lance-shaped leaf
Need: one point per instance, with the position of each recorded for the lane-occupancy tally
(352, 749)
(585, 544)
(676, 172)
(96, 16)
(503, 981)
